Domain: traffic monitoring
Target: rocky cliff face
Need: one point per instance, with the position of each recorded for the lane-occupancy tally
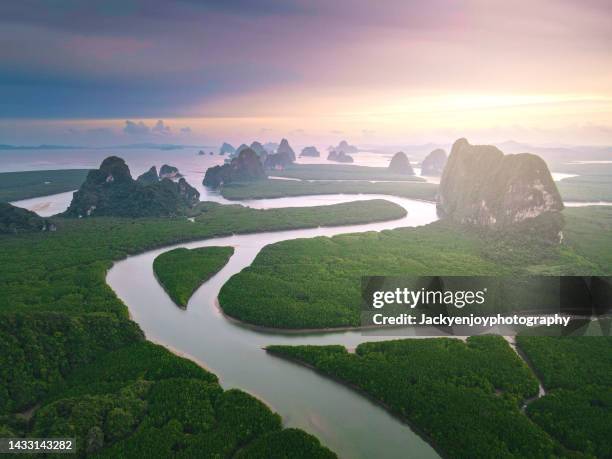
(111, 191)
(226, 148)
(170, 172)
(258, 148)
(149, 177)
(278, 161)
(239, 150)
(15, 220)
(245, 167)
(285, 148)
(482, 186)
(400, 164)
(434, 162)
(189, 194)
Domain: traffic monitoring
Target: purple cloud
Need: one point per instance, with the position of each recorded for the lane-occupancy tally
(160, 128)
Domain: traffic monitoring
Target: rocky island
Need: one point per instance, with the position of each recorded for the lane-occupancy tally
(226, 148)
(243, 168)
(239, 150)
(278, 161)
(400, 164)
(111, 191)
(169, 172)
(285, 149)
(482, 186)
(258, 148)
(310, 151)
(434, 162)
(283, 157)
(346, 147)
(339, 156)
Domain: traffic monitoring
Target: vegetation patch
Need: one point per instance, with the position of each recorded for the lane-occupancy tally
(281, 188)
(15, 186)
(570, 362)
(586, 188)
(579, 419)
(465, 397)
(343, 172)
(285, 444)
(143, 401)
(67, 344)
(348, 213)
(588, 231)
(181, 271)
(64, 271)
(577, 373)
(315, 283)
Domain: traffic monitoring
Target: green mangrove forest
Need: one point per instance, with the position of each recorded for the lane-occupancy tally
(181, 271)
(73, 364)
(315, 283)
(467, 398)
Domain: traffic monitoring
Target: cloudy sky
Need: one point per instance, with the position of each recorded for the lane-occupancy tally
(193, 71)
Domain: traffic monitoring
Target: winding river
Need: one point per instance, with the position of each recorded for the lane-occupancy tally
(348, 423)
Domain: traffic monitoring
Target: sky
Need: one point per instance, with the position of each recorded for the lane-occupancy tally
(315, 71)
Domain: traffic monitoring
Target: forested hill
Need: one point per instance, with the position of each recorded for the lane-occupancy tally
(111, 191)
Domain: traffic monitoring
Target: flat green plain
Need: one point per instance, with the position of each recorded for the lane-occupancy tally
(342, 172)
(15, 186)
(280, 188)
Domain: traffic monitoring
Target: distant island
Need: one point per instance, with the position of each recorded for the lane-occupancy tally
(345, 147)
(400, 164)
(38, 147)
(434, 162)
(339, 156)
(310, 151)
(244, 168)
(226, 148)
(131, 146)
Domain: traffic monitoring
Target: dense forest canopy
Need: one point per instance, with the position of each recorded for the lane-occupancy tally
(68, 347)
(181, 271)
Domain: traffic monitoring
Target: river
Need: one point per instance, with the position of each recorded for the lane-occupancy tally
(348, 423)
